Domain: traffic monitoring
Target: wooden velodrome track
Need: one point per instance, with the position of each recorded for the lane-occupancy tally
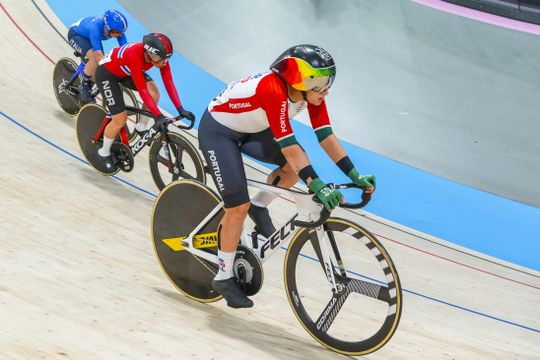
(79, 279)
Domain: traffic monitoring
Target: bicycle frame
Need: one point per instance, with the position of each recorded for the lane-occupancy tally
(137, 146)
(68, 86)
(307, 209)
(79, 70)
(101, 130)
(148, 135)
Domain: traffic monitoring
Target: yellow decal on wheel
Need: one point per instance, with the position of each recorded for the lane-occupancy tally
(200, 241)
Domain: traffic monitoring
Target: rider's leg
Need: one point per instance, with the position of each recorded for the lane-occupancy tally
(230, 230)
(263, 147)
(85, 87)
(284, 177)
(219, 146)
(83, 46)
(109, 86)
(91, 64)
(112, 129)
(229, 234)
(231, 226)
(144, 122)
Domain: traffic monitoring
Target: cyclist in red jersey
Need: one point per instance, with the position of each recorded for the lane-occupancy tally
(127, 65)
(252, 116)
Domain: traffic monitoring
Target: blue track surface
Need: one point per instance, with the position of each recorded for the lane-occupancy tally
(419, 200)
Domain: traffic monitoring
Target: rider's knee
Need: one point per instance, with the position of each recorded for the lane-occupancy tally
(288, 172)
(287, 168)
(154, 91)
(239, 211)
(119, 119)
(91, 56)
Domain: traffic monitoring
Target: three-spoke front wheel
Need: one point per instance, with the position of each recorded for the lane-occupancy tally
(362, 313)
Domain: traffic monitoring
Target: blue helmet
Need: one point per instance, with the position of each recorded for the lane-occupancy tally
(114, 20)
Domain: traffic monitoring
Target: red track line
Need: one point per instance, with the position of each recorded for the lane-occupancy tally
(22, 31)
(382, 236)
(458, 263)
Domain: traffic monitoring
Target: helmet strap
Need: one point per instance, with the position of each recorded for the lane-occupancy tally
(304, 95)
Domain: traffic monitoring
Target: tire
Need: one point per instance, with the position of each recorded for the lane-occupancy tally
(89, 121)
(180, 207)
(133, 118)
(63, 71)
(186, 162)
(364, 315)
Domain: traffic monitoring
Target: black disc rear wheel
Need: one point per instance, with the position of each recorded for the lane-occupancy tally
(179, 209)
(363, 313)
(67, 95)
(89, 121)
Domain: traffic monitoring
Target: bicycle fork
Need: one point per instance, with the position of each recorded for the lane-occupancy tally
(173, 166)
(325, 258)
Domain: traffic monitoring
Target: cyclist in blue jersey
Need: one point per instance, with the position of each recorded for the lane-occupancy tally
(86, 35)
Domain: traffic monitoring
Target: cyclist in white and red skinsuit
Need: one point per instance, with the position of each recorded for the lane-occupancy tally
(252, 116)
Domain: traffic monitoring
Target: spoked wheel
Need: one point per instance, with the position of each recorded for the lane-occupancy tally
(133, 118)
(89, 121)
(364, 312)
(67, 95)
(178, 159)
(179, 209)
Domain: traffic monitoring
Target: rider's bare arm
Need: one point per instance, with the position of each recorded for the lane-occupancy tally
(296, 157)
(333, 148)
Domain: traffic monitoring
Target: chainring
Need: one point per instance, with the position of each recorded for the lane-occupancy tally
(248, 270)
(122, 156)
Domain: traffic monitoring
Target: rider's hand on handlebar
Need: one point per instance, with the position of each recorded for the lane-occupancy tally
(161, 120)
(186, 114)
(330, 198)
(367, 182)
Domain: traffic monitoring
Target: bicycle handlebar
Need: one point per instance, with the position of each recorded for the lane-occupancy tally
(325, 214)
(180, 125)
(366, 197)
(175, 121)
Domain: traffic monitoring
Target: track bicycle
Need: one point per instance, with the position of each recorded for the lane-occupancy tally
(172, 156)
(341, 283)
(67, 76)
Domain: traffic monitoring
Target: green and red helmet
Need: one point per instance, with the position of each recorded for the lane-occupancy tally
(306, 67)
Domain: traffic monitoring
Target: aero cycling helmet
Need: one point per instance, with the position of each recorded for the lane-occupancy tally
(158, 45)
(306, 67)
(114, 20)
